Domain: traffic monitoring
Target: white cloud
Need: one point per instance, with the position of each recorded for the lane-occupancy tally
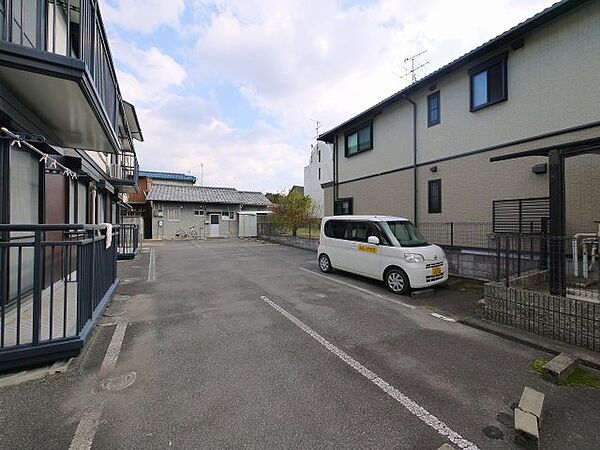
(143, 16)
(182, 133)
(292, 60)
(312, 59)
(146, 75)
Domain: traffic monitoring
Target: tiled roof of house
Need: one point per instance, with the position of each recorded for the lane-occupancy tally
(167, 176)
(205, 194)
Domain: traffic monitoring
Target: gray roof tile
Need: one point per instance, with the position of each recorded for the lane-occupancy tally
(205, 194)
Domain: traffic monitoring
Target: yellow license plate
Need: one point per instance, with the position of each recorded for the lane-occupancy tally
(436, 271)
(367, 248)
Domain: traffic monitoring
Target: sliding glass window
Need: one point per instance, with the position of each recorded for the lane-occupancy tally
(359, 140)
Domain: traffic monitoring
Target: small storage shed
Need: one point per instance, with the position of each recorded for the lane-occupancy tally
(247, 224)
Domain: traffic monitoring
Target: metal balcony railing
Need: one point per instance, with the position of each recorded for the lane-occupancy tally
(126, 170)
(55, 280)
(129, 241)
(129, 166)
(71, 28)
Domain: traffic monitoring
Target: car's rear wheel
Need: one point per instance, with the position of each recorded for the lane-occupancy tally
(397, 281)
(325, 263)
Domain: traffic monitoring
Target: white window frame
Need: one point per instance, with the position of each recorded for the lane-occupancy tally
(227, 215)
(173, 214)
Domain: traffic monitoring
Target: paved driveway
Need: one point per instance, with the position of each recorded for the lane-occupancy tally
(244, 344)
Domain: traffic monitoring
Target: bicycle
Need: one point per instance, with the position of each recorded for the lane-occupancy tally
(187, 233)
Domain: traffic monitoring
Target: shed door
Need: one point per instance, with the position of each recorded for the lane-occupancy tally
(247, 225)
(214, 225)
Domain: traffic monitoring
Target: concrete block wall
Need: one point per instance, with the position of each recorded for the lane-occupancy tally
(298, 242)
(567, 319)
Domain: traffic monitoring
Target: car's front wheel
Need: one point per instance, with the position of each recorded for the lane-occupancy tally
(397, 281)
(325, 264)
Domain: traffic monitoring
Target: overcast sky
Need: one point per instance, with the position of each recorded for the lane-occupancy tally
(235, 85)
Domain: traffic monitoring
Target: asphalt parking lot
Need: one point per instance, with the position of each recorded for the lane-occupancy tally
(245, 344)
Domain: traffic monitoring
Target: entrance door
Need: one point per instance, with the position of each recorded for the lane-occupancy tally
(214, 225)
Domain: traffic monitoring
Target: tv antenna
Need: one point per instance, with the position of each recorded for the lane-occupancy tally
(318, 126)
(412, 71)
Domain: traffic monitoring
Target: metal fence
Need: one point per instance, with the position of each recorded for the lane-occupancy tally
(474, 235)
(563, 266)
(309, 230)
(129, 241)
(54, 282)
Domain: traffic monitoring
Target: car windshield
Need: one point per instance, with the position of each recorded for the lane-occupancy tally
(406, 233)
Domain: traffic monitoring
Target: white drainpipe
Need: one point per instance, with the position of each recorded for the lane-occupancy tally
(575, 243)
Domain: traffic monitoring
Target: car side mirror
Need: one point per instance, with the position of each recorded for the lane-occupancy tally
(373, 240)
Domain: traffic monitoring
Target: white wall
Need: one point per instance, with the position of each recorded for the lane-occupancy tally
(312, 182)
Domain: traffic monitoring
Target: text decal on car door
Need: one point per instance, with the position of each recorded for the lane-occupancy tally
(367, 248)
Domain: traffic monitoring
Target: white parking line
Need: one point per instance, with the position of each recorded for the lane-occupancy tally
(114, 348)
(358, 288)
(412, 407)
(86, 430)
(439, 316)
(89, 422)
(152, 266)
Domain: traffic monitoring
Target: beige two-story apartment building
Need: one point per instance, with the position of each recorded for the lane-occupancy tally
(424, 153)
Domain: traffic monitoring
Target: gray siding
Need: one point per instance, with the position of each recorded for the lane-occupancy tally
(552, 86)
(227, 228)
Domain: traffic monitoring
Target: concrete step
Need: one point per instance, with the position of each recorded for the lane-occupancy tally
(559, 368)
(527, 432)
(527, 418)
(532, 402)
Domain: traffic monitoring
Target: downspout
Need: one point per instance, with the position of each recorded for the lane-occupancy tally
(335, 172)
(414, 107)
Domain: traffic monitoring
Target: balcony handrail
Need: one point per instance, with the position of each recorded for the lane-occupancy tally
(54, 227)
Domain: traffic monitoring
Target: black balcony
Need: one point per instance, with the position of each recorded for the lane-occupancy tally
(124, 173)
(55, 281)
(55, 61)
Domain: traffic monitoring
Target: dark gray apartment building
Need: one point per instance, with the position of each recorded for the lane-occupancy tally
(67, 155)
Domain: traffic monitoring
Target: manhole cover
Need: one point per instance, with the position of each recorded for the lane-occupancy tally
(119, 383)
(493, 432)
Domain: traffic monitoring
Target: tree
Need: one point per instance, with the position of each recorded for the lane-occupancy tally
(274, 197)
(293, 211)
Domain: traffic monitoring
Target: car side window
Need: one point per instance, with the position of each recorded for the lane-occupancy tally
(358, 231)
(335, 229)
(376, 231)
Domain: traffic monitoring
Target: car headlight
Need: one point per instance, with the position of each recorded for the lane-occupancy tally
(413, 258)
